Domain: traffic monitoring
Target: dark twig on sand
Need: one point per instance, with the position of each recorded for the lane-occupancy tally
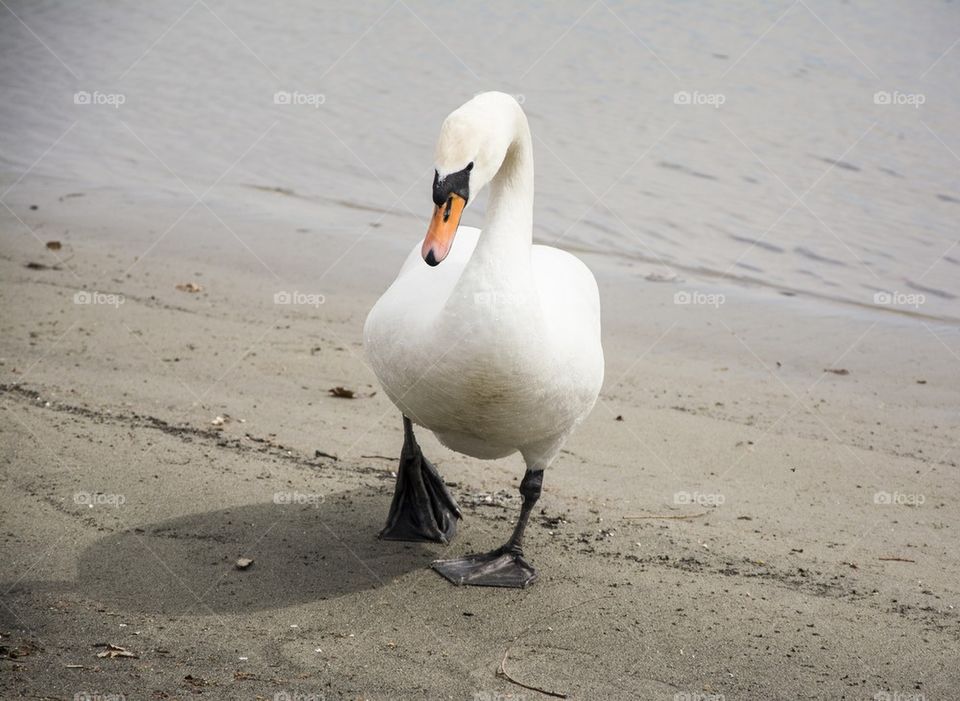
(672, 516)
(503, 662)
(895, 559)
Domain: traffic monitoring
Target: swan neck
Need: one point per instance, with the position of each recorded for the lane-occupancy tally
(508, 228)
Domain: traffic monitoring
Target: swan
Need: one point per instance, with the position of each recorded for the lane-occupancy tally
(485, 339)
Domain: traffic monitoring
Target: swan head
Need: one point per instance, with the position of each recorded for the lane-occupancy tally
(473, 142)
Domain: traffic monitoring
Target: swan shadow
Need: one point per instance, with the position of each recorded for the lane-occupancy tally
(186, 566)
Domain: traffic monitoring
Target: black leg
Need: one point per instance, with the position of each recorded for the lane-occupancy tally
(505, 566)
(422, 508)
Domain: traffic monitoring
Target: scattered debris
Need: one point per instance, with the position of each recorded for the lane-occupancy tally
(112, 651)
(501, 498)
(54, 245)
(552, 522)
(321, 454)
(837, 371)
(244, 563)
(33, 265)
(218, 421)
(619, 417)
(895, 559)
(921, 382)
(34, 207)
(663, 277)
(191, 287)
(343, 393)
(24, 649)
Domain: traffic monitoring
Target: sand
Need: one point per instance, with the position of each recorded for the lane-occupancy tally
(780, 493)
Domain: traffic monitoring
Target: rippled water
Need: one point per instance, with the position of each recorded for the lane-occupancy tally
(783, 168)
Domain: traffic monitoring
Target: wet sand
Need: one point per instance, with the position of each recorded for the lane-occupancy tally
(760, 506)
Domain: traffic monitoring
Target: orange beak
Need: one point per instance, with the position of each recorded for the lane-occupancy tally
(443, 227)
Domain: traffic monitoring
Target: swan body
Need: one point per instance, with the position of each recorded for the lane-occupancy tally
(490, 342)
(497, 349)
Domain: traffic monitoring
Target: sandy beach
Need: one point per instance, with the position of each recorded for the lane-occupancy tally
(762, 505)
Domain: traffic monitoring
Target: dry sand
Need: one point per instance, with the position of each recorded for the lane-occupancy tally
(787, 576)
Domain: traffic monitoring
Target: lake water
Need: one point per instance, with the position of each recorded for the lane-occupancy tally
(808, 146)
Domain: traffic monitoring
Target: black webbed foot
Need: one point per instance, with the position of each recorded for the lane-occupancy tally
(422, 508)
(503, 567)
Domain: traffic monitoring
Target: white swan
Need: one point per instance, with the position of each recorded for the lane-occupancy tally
(487, 340)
